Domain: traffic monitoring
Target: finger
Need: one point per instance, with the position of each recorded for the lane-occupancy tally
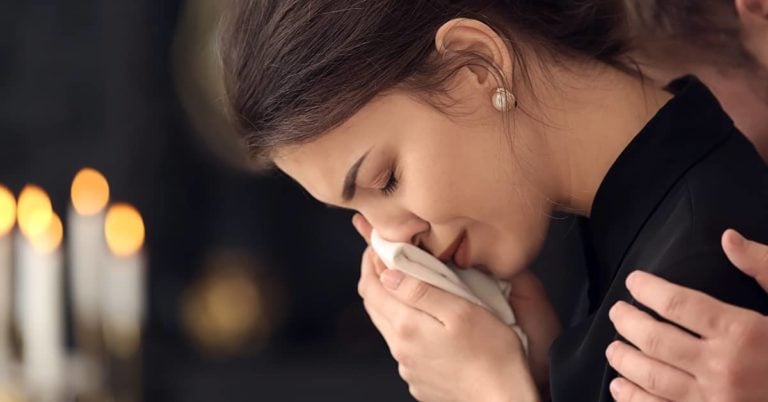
(374, 261)
(749, 256)
(394, 334)
(624, 391)
(444, 306)
(654, 377)
(661, 341)
(363, 286)
(369, 281)
(363, 227)
(370, 270)
(366, 265)
(370, 257)
(378, 320)
(378, 264)
(401, 317)
(689, 308)
(375, 298)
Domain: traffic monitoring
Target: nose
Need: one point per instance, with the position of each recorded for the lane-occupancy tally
(404, 228)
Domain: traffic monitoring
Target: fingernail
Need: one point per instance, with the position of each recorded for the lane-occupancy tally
(611, 349)
(616, 387)
(391, 278)
(614, 310)
(736, 239)
(630, 279)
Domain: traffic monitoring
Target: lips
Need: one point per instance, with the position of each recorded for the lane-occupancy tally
(450, 253)
(461, 256)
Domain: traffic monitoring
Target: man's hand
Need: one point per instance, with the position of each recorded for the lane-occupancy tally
(729, 362)
(749, 256)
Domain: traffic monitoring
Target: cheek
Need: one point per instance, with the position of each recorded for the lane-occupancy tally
(519, 225)
(434, 197)
(435, 184)
(517, 247)
(441, 190)
(478, 181)
(471, 179)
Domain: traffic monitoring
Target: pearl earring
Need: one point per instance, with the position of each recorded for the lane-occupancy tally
(503, 100)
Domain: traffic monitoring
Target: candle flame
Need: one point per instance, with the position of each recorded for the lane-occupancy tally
(34, 211)
(90, 192)
(124, 230)
(50, 239)
(7, 211)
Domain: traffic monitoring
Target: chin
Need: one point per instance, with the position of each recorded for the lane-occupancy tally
(506, 269)
(496, 272)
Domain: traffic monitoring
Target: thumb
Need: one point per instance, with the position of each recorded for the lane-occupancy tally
(749, 256)
(422, 296)
(538, 319)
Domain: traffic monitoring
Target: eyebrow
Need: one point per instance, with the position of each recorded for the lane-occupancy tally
(348, 191)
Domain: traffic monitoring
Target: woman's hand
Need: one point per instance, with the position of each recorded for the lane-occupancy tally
(447, 349)
(728, 363)
(537, 317)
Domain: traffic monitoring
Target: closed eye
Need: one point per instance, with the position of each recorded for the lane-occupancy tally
(391, 185)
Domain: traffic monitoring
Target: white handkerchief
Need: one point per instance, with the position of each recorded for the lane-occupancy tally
(471, 284)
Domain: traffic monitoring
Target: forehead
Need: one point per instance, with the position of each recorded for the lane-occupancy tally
(321, 165)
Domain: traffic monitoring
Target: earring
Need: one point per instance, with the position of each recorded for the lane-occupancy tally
(503, 100)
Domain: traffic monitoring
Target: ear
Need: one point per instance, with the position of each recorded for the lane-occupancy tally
(758, 8)
(753, 15)
(466, 34)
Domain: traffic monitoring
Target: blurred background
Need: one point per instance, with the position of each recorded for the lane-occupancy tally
(251, 284)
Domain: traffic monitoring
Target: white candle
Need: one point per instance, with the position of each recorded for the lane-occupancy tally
(124, 282)
(7, 222)
(41, 296)
(34, 216)
(86, 247)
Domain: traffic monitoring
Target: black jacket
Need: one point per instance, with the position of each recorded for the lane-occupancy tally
(662, 207)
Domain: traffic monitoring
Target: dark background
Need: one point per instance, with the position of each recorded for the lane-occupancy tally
(91, 83)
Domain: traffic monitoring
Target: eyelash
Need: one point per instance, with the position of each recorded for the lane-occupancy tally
(391, 185)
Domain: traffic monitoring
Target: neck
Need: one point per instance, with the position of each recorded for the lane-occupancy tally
(745, 99)
(599, 112)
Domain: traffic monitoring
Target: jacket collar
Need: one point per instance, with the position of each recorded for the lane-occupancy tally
(683, 132)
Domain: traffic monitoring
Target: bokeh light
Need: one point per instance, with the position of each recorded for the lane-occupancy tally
(49, 239)
(124, 230)
(90, 192)
(34, 211)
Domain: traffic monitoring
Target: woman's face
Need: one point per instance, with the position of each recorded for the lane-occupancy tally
(431, 180)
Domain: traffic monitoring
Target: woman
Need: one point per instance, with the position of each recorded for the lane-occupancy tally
(461, 127)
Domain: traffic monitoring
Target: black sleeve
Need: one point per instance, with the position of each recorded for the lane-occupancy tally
(690, 253)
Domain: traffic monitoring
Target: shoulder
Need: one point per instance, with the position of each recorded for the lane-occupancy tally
(729, 189)
(680, 241)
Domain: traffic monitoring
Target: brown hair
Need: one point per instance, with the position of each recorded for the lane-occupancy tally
(687, 32)
(295, 69)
